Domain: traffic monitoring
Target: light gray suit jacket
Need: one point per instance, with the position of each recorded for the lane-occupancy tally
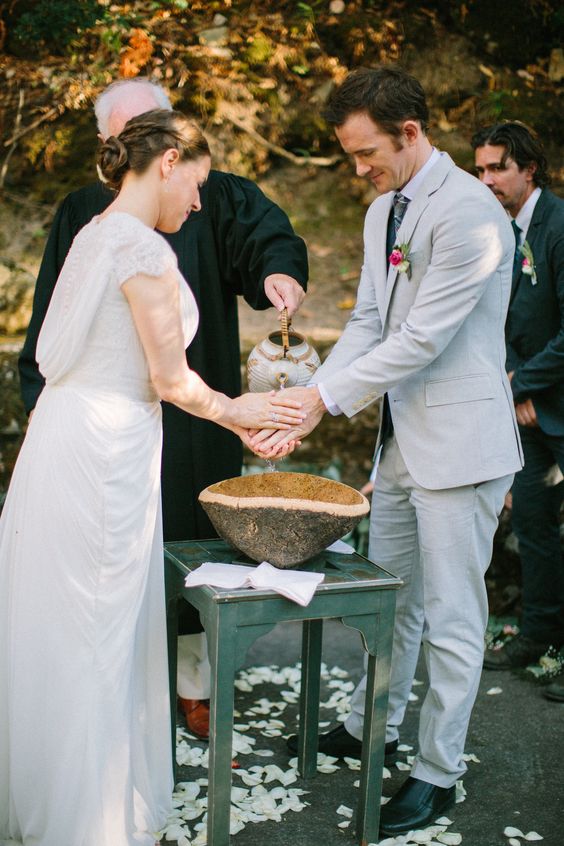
(434, 339)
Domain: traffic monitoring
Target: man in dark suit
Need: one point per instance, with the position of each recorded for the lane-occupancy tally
(510, 161)
(240, 243)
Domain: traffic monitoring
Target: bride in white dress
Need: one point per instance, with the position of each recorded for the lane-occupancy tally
(84, 713)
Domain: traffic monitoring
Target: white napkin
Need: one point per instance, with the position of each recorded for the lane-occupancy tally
(297, 585)
(342, 547)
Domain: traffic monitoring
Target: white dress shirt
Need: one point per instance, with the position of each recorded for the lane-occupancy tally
(523, 219)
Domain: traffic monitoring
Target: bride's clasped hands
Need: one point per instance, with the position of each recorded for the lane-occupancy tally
(276, 444)
(271, 413)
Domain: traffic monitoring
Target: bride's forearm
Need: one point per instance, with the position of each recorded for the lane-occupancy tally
(191, 394)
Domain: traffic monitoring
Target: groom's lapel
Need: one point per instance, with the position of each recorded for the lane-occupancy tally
(415, 210)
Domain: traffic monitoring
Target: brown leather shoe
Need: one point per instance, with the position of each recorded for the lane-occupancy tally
(197, 714)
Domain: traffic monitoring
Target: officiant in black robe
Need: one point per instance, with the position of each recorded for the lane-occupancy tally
(227, 249)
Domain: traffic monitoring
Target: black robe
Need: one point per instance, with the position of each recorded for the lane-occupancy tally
(226, 249)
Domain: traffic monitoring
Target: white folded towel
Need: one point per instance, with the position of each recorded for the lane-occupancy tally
(341, 546)
(297, 585)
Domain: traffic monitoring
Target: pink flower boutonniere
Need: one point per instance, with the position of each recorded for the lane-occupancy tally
(528, 263)
(399, 258)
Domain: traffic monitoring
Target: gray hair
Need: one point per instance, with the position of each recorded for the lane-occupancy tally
(119, 92)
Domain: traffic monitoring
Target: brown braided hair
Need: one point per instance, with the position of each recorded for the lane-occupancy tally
(143, 139)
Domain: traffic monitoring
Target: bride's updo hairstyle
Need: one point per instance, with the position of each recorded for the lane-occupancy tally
(146, 137)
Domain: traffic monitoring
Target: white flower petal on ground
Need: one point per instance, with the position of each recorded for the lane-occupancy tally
(413, 697)
(187, 790)
(471, 757)
(402, 766)
(514, 842)
(290, 696)
(444, 821)
(352, 763)
(493, 691)
(416, 683)
(344, 824)
(238, 794)
(533, 835)
(511, 831)
(263, 753)
(460, 793)
(243, 685)
(272, 773)
(450, 838)
(327, 768)
(386, 772)
(403, 747)
(420, 836)
(175, 831)
(343, 811)
(436, 829)
(338, 673)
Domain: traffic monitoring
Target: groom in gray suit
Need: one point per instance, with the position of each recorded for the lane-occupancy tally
(426, 338)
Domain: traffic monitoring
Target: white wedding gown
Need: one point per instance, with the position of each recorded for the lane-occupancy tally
(85, 756)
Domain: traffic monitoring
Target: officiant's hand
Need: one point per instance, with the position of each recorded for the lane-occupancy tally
(274, 410)
(284, 292)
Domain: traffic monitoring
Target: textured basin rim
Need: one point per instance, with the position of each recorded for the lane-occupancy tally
(242, 502)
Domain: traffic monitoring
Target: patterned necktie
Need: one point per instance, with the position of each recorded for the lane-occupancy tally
(517, 254)
(400, 204)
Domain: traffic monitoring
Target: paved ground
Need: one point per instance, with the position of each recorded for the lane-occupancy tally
(517, 735)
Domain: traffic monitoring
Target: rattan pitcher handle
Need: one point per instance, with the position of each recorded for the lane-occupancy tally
(285, 322)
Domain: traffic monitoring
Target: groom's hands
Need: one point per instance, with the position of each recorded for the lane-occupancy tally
(276, 443)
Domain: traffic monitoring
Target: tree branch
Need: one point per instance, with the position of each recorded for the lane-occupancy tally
(317, 161)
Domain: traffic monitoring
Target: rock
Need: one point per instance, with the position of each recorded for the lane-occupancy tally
(215, 36)
(282, 518)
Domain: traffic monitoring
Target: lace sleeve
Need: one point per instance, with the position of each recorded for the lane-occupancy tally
(143, 252)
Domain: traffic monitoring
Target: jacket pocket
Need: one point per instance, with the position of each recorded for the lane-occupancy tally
(461, 389)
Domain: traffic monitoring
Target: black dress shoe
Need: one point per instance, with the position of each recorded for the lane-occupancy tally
(341, 744)
(416, 804)
(518, 652)
(555, 690)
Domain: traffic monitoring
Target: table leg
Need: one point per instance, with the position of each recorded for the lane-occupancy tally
(377, 634)
(221, 632)
(172, 639)
(308, 737)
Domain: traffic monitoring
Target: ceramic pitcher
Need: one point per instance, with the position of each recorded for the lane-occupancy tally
(283, 359)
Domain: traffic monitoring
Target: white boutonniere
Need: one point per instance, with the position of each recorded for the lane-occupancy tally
(528, 263)
(399, 258)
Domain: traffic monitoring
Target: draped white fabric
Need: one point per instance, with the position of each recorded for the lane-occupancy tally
(84, 710)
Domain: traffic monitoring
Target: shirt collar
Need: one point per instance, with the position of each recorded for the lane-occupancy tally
(523, 219)
(409, 191)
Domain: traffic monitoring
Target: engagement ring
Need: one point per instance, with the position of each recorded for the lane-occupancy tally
(274, 416)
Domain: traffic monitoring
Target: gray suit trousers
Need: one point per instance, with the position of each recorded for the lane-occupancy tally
(440, 543)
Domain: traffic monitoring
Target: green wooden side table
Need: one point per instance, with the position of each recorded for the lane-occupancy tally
(354, 590)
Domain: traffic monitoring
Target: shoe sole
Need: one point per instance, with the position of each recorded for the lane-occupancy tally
(553, 697)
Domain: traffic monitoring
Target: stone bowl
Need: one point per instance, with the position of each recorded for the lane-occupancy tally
(283, 518)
